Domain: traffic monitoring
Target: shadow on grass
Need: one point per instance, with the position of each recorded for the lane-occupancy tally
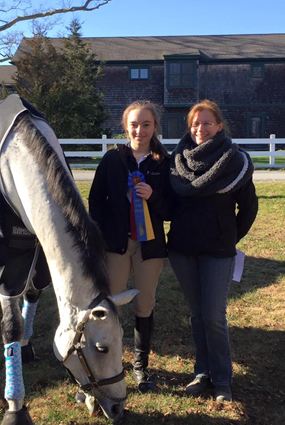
(262, 389)
(131, 418)
(259, 352)
(258, 273)
(259, 387)
(172, 332)
(171, 419)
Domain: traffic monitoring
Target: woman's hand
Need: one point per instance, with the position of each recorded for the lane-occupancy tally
(143, 190)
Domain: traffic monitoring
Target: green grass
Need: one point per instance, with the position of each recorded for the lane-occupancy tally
(256, 314)
(263, 162)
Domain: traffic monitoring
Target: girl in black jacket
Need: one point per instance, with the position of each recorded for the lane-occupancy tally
(215, 207)
(130, 199)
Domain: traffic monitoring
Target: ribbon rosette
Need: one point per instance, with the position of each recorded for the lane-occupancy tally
(141, 226)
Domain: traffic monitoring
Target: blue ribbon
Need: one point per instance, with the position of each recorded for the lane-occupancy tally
(134, 178)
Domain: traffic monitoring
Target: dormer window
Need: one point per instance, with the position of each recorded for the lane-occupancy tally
(181, 74)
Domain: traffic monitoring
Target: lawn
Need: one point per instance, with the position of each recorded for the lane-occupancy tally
(256, 315)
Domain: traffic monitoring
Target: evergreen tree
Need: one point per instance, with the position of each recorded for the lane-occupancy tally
(61, 83)
(38, 74)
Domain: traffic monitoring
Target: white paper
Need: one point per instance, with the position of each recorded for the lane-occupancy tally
(239, 265)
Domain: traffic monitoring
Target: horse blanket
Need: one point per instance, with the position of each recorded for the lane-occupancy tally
(22, 260)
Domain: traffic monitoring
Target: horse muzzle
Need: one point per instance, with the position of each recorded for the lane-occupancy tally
(113, 409)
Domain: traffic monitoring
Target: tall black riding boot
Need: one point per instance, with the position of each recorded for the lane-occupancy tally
(142, 339)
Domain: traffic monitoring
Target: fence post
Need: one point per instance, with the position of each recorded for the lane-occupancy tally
(104, 144)
(272, 149)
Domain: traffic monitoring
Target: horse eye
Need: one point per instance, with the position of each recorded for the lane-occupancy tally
(101, 348)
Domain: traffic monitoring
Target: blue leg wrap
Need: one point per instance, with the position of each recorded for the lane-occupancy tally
(14, 389)
(28, 313)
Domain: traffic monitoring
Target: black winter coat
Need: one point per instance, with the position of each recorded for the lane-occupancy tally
(210, 225)
(110, 207)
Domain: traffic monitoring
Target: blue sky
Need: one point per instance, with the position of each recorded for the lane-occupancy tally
(178, 17)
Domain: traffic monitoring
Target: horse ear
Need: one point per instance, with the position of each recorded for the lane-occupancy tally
(99, 313)
(124, 297)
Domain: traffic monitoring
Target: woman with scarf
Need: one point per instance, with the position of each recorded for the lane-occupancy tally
(216, 205)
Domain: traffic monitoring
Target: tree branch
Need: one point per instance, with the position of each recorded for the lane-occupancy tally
(87, 6)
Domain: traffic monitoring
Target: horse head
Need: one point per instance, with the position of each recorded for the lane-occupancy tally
(92, 353)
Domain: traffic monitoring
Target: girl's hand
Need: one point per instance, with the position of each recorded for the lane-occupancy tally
(143, 190)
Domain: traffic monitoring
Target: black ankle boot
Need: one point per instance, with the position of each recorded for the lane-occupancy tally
(144, 380)
(142, 338)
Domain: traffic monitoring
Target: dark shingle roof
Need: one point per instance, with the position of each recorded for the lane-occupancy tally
(6, 73)
(216, 47)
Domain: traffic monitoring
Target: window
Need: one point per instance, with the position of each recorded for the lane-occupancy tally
(257, 70)
(255, 125)
(139, 73)
(181, 74)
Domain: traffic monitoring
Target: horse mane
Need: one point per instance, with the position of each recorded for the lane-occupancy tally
(85, 232)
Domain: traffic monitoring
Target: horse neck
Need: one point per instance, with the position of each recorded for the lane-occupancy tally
(73, 289)
(28, 192)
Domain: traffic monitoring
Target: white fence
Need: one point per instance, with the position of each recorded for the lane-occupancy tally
(270, 153)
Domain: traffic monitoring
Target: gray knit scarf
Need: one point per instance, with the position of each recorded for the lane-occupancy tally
(215, 166)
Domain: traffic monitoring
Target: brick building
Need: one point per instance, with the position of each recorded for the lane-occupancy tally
(6, 77)
(245, 74)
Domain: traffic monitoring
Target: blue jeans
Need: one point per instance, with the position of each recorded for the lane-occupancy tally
(205, 281)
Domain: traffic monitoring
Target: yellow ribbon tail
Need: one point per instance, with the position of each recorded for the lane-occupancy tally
(148, 223)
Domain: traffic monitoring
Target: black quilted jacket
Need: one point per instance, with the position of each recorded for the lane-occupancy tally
(110, 207)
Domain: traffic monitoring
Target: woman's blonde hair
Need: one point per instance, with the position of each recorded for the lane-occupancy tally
(157, 149)
(208, 105)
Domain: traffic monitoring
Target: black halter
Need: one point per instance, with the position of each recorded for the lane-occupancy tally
(77, 348)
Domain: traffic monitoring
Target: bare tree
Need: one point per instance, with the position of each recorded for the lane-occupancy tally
(13, 12)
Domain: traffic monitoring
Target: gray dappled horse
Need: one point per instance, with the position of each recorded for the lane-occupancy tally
(37, 185)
